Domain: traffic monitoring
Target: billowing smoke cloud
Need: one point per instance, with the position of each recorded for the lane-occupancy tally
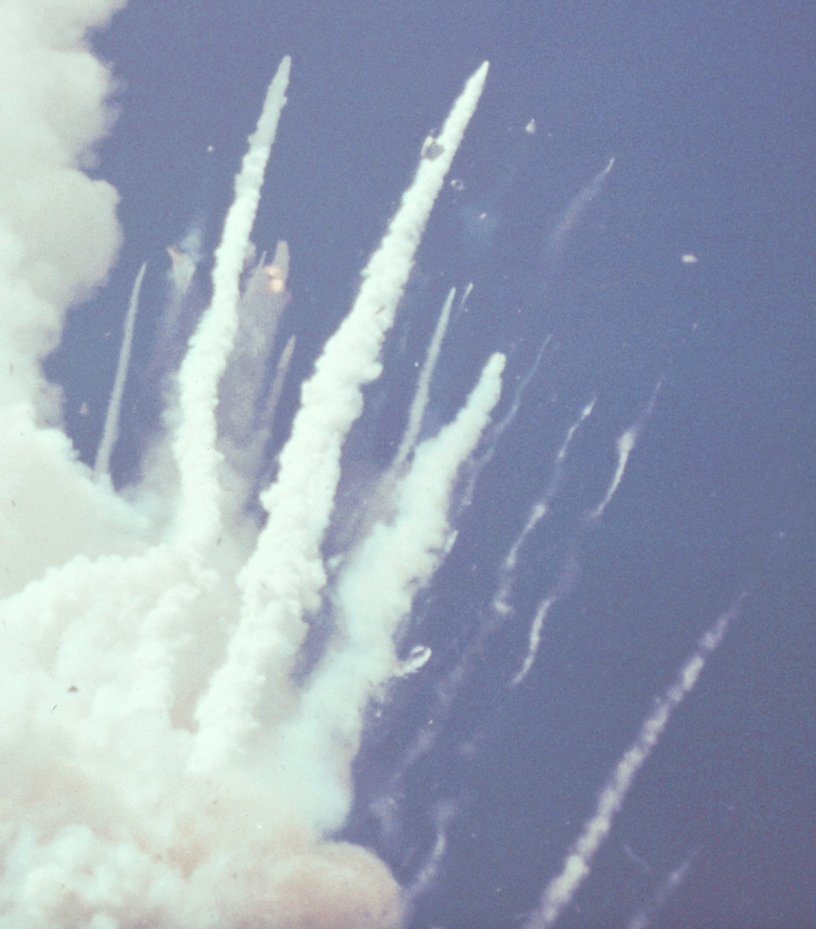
(165, 760)
(161, 765)
(58, 237)
(59, 229)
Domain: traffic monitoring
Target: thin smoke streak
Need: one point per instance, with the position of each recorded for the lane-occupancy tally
(559, 892)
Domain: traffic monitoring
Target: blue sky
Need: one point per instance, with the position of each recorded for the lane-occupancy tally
(708, 112)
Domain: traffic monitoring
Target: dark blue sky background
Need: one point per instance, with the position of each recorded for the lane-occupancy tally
(708, 110)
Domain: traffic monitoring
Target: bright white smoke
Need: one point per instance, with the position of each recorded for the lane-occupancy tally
(160, 766)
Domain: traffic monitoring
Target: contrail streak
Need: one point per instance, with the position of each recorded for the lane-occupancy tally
(420, 401)
(110, 432)
(561, 889)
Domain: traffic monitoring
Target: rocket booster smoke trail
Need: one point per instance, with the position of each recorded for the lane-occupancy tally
(300, 501)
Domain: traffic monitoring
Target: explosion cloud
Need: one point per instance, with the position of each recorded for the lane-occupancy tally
(163, 764)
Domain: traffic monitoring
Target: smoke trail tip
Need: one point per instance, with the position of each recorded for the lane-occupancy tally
(479, 76)
(284, 67)
(281, 76)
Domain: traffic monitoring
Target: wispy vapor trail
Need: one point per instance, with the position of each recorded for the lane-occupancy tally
(110, 432)
(558, 894)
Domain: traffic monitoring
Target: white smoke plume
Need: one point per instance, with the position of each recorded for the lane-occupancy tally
(160, 766)
(161, 763)
(300, 501)
(58, 237)
(195, 444)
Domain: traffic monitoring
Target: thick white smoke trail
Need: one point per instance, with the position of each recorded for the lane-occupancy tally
(166, 761)
(117, 809)
(402, 556)
(195, 445)
(301, 500)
